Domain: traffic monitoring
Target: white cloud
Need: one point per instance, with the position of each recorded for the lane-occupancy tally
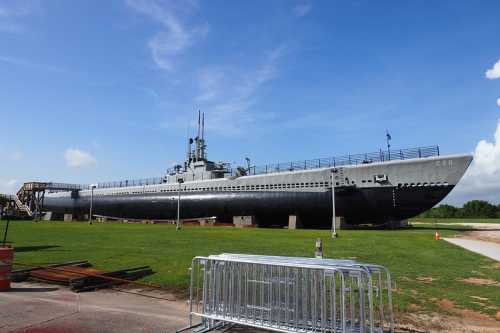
(77, 158)
(16, 156)
(11, 12)
(8, 186)
(231, 94)
(494, 72)
(176, 37)
(302, 9)
(32, 65)
(19, 8)
(482, 180)
(210, 81)
(498, 101)
(11, 27)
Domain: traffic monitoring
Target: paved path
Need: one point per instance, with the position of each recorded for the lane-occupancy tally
(477, 226)
(33, 307)
(488, 249)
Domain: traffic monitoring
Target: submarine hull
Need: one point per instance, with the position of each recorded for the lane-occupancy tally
(375, 205)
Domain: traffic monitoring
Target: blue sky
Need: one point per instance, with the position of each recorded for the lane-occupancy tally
(94, 91)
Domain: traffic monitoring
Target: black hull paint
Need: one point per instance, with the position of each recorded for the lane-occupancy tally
(366, 205)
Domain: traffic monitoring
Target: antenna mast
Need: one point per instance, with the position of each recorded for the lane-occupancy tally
(197, 139)
(203, 126)
(203, 153)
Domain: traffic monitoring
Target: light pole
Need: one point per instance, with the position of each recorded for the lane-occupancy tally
(178, 225)
(92, 187)
(334, 229)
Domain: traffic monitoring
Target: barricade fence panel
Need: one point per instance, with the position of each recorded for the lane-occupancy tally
(380, 275)
(288, 294)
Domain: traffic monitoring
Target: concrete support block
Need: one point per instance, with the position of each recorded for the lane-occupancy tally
(68, 217)
(244, 221)
(340, 222)
(294, 222)
(207, 222)
(47, 216)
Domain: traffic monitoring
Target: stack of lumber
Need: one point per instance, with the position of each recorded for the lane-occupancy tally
(80, 275)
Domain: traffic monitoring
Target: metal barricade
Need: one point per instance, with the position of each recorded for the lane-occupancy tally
(288, 294)
(378, 275)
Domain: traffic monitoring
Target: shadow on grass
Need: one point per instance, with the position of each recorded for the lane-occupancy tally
(34, 248)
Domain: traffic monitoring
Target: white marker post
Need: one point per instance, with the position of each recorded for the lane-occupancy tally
(92, 187)
(178, 224)
(334, 229)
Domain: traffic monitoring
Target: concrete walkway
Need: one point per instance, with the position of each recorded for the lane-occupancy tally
(33, 307)
(488, 249)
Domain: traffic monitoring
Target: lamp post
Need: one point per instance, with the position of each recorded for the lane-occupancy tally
(178, 224)
(334, 229)
(92, 187)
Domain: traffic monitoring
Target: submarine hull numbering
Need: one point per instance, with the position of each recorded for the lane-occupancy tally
(368, 192)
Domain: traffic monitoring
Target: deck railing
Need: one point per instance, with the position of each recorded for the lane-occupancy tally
(354, 159)
(132, 182)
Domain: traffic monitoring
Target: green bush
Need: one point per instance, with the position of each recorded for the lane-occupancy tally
(471, 209)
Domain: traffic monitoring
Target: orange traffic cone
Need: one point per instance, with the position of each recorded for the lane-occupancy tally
(437, 236)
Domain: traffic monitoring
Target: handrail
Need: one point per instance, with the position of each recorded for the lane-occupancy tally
(22, 206)
(132, 182)
(337, 161)
(355, 159)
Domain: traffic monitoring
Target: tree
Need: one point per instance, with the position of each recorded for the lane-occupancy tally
(479, 209)
(471, 209)
(442, 211)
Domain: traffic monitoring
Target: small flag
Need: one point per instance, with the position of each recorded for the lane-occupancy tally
(388, 136)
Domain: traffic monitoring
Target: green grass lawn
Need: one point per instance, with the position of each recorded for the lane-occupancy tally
(409, 254)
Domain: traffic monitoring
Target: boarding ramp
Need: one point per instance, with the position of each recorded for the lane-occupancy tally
(289, 294)
(29, 199)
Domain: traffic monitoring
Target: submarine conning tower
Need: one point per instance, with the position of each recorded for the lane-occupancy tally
(197, 166)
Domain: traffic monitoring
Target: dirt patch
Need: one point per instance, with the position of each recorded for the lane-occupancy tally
(459, 320)
(481, 281)
(436, 323)
(414, 307)
(449, 306)
(484, 235)
(446, 304)
(425, 279)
